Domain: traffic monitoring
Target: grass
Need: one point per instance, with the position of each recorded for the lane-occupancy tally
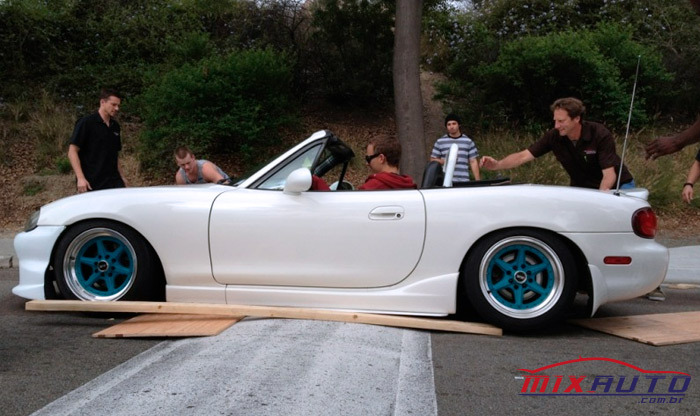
(49, 126)
(32, 188)
(663, 177)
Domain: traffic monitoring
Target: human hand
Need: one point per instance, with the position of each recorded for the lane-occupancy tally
(83, 186)
(488, 163)
(687, 193)
(662, 146)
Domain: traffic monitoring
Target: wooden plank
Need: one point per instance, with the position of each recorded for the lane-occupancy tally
(169, 325)
(264, 311)
(653, 329)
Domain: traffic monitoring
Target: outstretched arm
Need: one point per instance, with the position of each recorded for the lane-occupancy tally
(511, 161)
(671, 144)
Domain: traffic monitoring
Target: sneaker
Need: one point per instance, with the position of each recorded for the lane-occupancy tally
(656, 294)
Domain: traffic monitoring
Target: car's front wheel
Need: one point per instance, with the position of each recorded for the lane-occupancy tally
(520, 279)
(104, 260)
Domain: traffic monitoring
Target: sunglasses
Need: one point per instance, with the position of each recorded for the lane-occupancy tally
(369, 158)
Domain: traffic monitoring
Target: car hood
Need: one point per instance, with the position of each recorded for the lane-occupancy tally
(127, 204)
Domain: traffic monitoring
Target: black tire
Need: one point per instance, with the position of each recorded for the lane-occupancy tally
(105, 260)
(520, 279)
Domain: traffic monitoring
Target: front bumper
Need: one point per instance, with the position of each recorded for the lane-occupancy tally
(34, 250)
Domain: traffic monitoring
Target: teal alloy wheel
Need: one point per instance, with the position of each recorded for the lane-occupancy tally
(100, 264)
(105, 261)
(520, 279)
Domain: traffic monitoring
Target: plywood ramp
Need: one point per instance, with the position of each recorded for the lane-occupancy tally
(654, 329)
(168, 325)
(237, 311)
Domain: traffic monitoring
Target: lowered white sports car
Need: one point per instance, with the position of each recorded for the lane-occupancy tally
(516, 254)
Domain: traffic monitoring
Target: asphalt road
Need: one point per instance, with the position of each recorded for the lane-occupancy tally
(44, 356)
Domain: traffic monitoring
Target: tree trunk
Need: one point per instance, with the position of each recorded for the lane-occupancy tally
(407, 92)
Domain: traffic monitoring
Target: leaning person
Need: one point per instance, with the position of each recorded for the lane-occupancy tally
(585, 149)
(193, 171)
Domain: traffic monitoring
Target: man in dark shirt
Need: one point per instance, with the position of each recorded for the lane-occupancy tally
(94, 147)
(586, 150)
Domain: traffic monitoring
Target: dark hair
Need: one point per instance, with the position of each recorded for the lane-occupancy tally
(105, 93)
(452, 117)
(573, 106)
(389, 146)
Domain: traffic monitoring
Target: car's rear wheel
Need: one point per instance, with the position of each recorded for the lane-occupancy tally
(104, 260)
(520, 279)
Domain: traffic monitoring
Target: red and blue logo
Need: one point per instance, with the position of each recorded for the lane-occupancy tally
(650, 386)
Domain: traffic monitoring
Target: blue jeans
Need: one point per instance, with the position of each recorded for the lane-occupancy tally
(628, 185)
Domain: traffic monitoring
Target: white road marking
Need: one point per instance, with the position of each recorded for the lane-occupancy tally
(269, 367)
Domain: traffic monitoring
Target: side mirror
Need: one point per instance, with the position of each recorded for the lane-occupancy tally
(298, 181)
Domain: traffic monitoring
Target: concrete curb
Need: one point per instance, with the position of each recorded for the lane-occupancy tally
(7, 262)
(684, 265)
(8, 257)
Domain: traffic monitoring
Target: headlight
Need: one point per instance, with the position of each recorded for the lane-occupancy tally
(32, 221)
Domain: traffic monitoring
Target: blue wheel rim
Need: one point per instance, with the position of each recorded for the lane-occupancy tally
(104, 266)
(521, 277)
(100, 264)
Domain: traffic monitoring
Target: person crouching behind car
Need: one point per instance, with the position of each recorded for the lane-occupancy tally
(195, 171)
(383, 155)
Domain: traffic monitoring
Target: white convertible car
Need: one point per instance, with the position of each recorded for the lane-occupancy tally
(516, 254)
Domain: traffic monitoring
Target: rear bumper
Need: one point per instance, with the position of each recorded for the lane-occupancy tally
(613, 282)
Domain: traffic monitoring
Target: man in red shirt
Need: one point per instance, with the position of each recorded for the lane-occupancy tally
(383, 155)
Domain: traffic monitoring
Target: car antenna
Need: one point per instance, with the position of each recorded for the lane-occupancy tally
(627, 132)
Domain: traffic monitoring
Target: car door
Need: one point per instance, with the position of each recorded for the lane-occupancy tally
(347, 239)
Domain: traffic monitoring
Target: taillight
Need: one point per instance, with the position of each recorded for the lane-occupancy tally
(644, 222)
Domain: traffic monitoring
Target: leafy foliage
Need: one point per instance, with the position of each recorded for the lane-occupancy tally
(663, 32)
(353, 43)
(597, 66)
(221, 104)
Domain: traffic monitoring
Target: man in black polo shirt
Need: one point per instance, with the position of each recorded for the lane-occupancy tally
(94, 147)
(585, 149)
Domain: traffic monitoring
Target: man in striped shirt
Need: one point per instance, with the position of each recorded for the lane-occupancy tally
(467, 155)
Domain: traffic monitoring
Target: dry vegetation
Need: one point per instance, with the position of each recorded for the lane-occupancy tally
(23, 190)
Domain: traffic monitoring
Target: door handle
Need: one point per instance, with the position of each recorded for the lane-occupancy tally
(387, 213)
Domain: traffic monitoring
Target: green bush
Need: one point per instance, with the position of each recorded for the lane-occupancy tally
(32, 188)
(233, 103)
(63, 166)
(530, 73)
(353, 43)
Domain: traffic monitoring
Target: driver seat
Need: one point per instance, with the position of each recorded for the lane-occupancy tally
(432, 175)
